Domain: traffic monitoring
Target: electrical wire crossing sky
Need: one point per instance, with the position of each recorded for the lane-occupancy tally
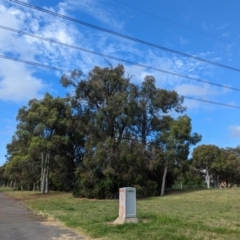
(185, 47)
(126, 36)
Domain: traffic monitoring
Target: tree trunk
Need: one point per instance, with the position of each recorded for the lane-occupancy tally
(21, 186)
(47, 173)
(33, 186)
(164, 181)
(46, 181)
(207, 179)
(181, 185)
(43, 180)
(42, 174)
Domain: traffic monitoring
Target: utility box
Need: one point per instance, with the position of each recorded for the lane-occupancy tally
(127, 206)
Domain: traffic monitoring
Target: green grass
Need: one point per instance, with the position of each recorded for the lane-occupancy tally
(5, 189)
(205, 214)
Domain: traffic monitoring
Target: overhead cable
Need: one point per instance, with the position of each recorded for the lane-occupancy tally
(59, 69)
(172, 22)
(34, 63)
(217, 103)
(118, 59)
(126, 36)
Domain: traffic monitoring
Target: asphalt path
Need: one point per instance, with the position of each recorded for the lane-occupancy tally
(19, 223)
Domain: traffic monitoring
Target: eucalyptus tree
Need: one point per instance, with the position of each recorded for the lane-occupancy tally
(226, 170)
(45, 131)
(4, 177)
(108, 100)
(205, 158)
(153, 105)
(19, 162)
(122, 123)
(175, 141)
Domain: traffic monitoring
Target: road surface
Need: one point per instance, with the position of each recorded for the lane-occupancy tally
(19, 223)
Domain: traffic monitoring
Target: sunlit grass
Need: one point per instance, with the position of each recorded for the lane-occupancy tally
(205, 214)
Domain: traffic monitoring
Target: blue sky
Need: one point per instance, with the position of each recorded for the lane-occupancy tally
(207, 29)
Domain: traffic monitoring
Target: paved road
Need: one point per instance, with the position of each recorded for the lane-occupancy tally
(18, 223)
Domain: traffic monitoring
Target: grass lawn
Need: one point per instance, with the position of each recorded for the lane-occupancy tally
(5, 189)
(205, 214)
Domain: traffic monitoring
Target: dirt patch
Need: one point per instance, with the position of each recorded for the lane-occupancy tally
(52, 222)
(64, 237)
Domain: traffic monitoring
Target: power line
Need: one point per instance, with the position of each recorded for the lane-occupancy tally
(34, 63)
(126, 36)
(172, 22)
(117, 59)
(217, 103)
(54, 68)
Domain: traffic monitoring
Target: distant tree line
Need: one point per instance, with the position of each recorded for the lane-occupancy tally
(110, 133)
(219, 167)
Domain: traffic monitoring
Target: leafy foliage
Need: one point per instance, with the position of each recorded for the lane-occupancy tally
(112, 133)
(123, 147)
(45, 126)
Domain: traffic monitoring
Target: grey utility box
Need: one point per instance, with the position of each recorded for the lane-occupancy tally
(127, 205)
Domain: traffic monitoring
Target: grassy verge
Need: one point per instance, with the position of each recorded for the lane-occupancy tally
(205, 214)
(5, 189)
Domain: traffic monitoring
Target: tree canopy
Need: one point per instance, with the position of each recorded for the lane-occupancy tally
(110, 133)
(123, 145)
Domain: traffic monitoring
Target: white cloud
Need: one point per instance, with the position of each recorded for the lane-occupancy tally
(195, 90)
(193, 104)
(60, 30)
(98, 10)
(17, 83)
(234, 131)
